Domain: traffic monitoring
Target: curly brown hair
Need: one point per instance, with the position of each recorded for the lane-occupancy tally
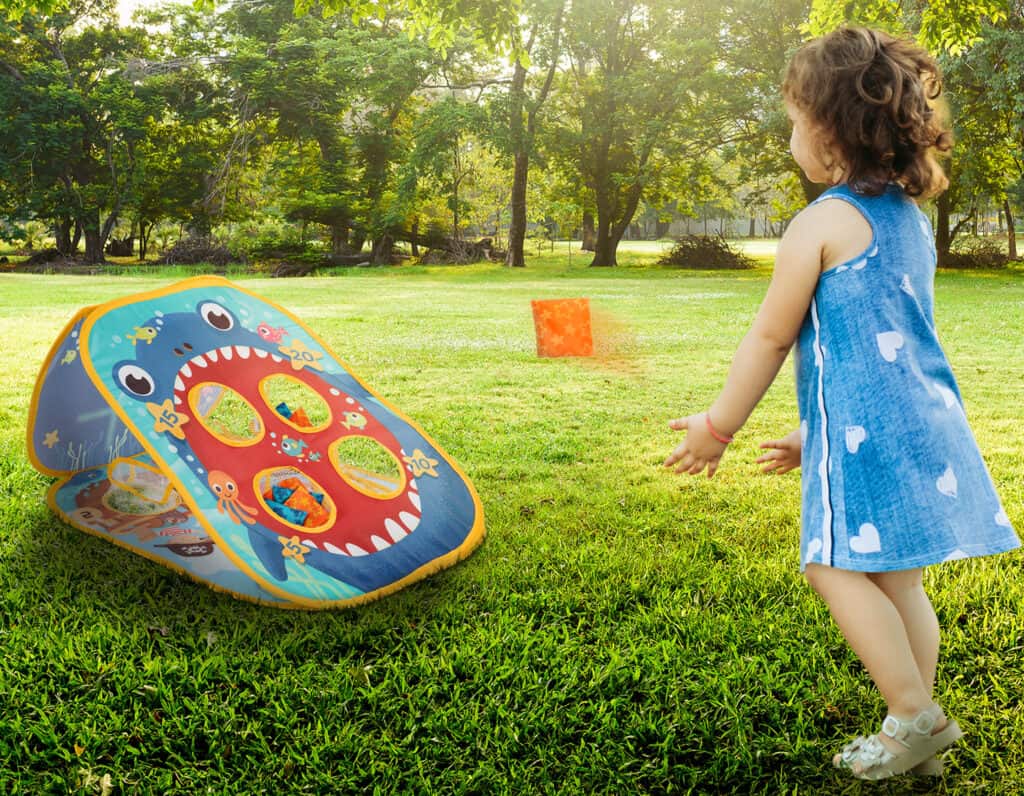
(874, 96)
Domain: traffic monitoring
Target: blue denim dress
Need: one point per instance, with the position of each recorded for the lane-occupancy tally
(892, 478)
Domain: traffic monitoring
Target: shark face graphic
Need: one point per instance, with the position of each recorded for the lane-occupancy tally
(196, 359)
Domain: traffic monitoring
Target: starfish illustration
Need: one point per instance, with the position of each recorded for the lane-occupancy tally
(421, 464)
(301, 356)
(167, 419)
(293, 548)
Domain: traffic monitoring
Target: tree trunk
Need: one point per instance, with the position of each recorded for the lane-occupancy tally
(604, 246)
(942, 239)
(415, 234)
(520, 168)
(62, 236)
(93, 246)
(382, 248)
(588, 233)
(94, 238)
(339, 240)
(1011, 232)
(517, 224)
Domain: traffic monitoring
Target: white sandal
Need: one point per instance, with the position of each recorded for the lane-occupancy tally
(869, 758)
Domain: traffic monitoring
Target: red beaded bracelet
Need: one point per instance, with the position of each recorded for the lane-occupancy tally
(724, 439)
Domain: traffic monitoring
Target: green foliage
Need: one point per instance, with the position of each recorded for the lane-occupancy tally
(970, 252)
(621, 630)
(950, 25)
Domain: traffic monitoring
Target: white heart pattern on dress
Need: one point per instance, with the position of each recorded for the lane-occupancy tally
(1002, 519)
(855, 435)
(948, 396)
(868, 540)
(946, 483)
(803, 431)
(813, 548)
(906, 287)
(956, 555)
(889, 343)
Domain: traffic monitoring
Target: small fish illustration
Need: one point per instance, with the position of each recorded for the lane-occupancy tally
(354, 420)
(293, 447)
(269, 333)
(144, 333)
(69, 357)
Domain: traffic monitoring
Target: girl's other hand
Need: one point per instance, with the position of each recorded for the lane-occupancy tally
(698, 450)
(784, 455)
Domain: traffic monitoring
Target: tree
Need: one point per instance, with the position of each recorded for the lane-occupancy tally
(546, 20)
(951, 25)
(70, 121)
(492, 21)
(757, 42)
(986, 83)
(639, 81)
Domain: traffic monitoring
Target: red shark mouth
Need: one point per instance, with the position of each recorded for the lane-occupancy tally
(364, 523)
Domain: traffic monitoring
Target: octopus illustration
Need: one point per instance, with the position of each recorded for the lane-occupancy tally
(228, 500)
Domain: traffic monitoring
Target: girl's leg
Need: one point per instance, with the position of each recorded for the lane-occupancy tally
(874, 628)
(905, 591)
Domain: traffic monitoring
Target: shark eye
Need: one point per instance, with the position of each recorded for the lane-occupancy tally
(215, 315)
(135, 380)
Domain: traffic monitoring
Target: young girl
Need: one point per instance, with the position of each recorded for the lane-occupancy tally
(892, 478)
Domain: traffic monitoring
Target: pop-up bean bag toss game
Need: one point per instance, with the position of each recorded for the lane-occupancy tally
(211, 431)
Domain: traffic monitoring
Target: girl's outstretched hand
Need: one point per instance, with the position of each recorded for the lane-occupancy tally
(784, 455)
(699, 450)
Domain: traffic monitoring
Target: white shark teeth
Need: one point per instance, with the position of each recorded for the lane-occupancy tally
(243, 351)
(227, 352)
(355, 550)
(259, 352)
(333, 549)
(415, 500)
(410, 520)
(379, 543)
(396, 531)
(309, 543)
(212, 354)
(186, 371)
(198, 361)
(276, 358)
(178, 383)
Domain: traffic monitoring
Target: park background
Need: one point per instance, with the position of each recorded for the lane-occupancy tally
(621, 630)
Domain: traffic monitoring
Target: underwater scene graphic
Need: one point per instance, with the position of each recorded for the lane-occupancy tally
(314, 490)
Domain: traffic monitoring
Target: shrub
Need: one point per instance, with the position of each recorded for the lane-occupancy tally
(704, 252)
(191, 251)
(976, 253)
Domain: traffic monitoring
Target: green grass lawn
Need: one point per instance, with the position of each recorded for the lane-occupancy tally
(621, 630)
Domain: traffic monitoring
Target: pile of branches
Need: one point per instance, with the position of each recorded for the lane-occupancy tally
(194, 250)
(704, 252)
(976, 253)
(452, 251)
(50, 261)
